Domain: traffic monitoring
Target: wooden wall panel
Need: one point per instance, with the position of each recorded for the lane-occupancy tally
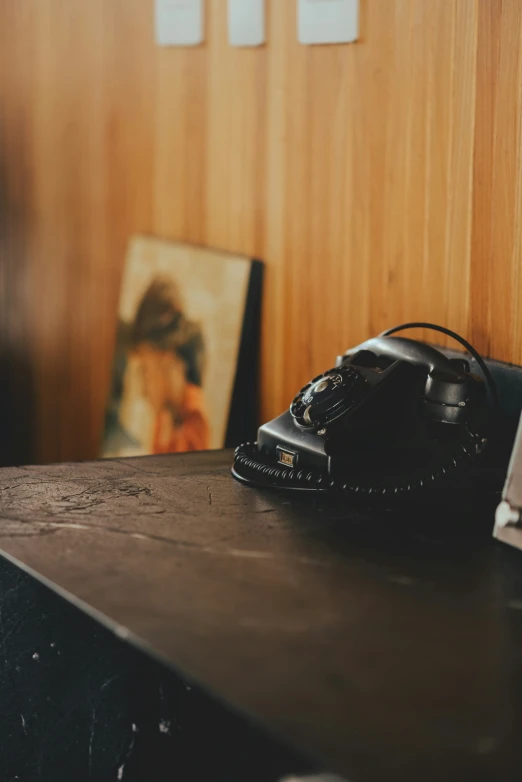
(380, 181)
(497, 217)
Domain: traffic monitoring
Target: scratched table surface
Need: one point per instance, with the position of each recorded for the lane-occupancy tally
(387, 644)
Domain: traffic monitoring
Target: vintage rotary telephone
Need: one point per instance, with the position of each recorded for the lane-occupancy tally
(394, 416)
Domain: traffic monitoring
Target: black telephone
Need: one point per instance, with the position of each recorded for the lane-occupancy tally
(392, 417)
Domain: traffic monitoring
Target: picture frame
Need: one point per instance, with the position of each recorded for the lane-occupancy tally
(185, 369)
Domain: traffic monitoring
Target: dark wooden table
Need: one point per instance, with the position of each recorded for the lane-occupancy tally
(386, 644)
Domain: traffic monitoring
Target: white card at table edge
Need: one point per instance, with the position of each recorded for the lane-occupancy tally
(246, 22)
(179, 22)
(327, 21)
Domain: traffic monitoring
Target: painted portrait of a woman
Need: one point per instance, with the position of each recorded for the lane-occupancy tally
(179, 326)
(169, 352)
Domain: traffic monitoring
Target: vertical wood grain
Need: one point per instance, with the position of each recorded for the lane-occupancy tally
(506, 161)
(496, 259)
(460, 201)
(380, 182)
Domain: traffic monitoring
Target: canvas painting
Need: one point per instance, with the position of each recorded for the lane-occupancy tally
(181, 321)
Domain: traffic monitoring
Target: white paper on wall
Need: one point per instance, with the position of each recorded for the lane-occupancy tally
(246, 22)
(179, 22)
(327, 21)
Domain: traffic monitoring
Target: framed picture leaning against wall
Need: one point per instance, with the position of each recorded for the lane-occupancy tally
(186, 355)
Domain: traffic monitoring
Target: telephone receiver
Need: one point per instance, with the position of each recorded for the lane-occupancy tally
(393, 417)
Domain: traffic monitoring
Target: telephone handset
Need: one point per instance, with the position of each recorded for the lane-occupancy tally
(392, 417)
